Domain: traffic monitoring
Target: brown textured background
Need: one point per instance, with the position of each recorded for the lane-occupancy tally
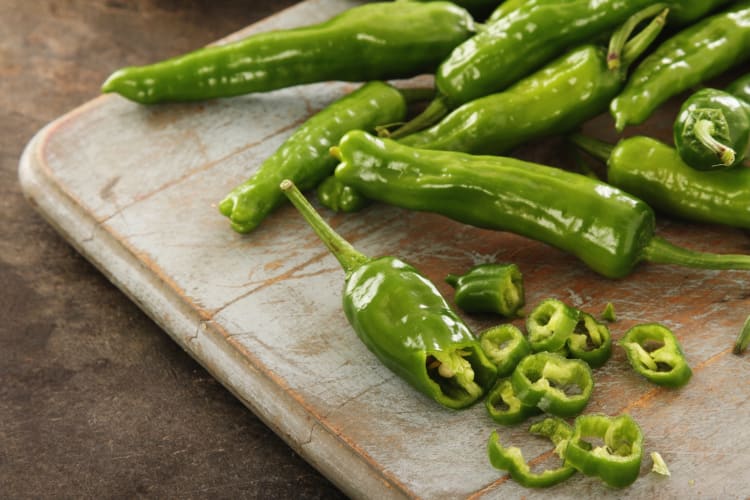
(95, 400)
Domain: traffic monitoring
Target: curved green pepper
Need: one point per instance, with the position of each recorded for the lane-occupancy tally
(504, 407)
(578, 85)
(655, 173)
(490, 288)
(402, 318)
(512, 460)
(304, 157)
(377, 41)
(618, 461)
(505, 345)
(554, 384)
(698, 53)
(590, 341)
(334, 194)
(655, 353)
(550, 325)
(712, 130)
(608, 229)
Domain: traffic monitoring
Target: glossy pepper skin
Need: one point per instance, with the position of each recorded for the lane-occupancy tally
(505, 345)
(304, 157)
(377, 41)
(334, 194)
(489, 288)
(655, 173)
(695, 54)
(504, 407)
(606, 228)
(655, 353)
(402, 318)
(618, 461)
(712, 130)
(577, 86)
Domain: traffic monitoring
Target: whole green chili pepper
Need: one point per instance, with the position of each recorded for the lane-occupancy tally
(655, 353)
(504, 407)
(505, 345)
(618, 461)
(550, 324)
(489, 288)
(608, 229)
(524, 35)
(590, 341)
(655, 173)
(402, 318)
(339, 197)
(377, 41)
(304, 156)
(578, 85)
(695, 54)
(712, 130)
(554, 384)
(511, 459)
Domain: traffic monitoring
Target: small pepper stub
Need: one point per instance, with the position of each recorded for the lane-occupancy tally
(654, 352)
(490, 288)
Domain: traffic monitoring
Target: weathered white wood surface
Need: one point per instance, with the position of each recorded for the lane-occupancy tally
(135, 188)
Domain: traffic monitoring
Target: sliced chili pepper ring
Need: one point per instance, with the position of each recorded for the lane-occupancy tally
(505, 345)
(655, 353)
(550, 324)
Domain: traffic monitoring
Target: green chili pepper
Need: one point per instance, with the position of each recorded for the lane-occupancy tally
(712, 130)
(590, 341)
(402, 318)
(490, 288)
(339, 197)
(377, 41)
(698, 53)
(523, 35)
(504, 406)
(505, 345)
(512, 460)
(550, 324)
(554, 384)
(655, 353)
(579, 85)
(743, 339)
(304, 157)
(618, 461)
(608, 229)
(655, 173)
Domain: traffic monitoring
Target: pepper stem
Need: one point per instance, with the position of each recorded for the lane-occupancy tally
(416, 94)
(622, 49)
(660, 251)
(432, 114)
(345, 253)
(596, 148)
(704, 131)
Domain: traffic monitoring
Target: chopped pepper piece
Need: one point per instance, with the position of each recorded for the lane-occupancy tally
(660, 466)
(743, 338)
(550, 324)
(494, 288)
(557, 430)
(618, 461)
(552, 383)
(609, 313)
(590, 341)
(504, 406)
(505, 345)
(655, 353)
(511, 459)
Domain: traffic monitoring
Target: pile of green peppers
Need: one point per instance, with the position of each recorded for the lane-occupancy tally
(505, 73)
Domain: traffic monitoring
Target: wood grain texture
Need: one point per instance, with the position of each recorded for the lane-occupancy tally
(262, 311)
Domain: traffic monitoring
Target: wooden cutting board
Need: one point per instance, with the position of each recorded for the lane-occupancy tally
(135, 189)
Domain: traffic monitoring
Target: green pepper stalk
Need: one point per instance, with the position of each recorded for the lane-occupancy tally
(550, 325)
(655, 173)
(504, 407)
(654, 352)
(511, 459)
(377, 41)
(304, 158)
(402, 318)
(743, 339)
(703, 50)
(712, 130)
(554, 384)
(578, 85)
(590, 341)
(489, 288)
(334, 194)
(505, 345)
(618, 461)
